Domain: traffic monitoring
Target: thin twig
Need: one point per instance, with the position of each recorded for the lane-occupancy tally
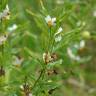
(43, 70)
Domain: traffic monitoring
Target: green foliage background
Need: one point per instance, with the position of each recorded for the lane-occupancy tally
(31, 38)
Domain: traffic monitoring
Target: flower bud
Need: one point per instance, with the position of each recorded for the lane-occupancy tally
(86, 35)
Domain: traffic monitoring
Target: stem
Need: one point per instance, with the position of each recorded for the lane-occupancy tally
(49, 39)
(52, 45)
(43, 70)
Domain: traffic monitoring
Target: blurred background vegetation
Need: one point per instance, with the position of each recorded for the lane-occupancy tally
(30, 38)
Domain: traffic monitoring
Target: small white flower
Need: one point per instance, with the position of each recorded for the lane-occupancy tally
(50, 21)
(72, 56)
(12, 28)
(59, 31)
(82, 44)
(57, 35)
(6, 9)
(5, 13)
(58, 38)
(17, 61)
(3, 39)
(47, 57)
(79, 46)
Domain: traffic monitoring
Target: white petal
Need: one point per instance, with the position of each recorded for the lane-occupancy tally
(58, 38)
(48, 18)
(59, 31)
(7, 8)
(82, 44)
(44, 55)
(5, 12)
(72, 56)
(3, 39)
(17, 61)
(54, 20)
(12, 28)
